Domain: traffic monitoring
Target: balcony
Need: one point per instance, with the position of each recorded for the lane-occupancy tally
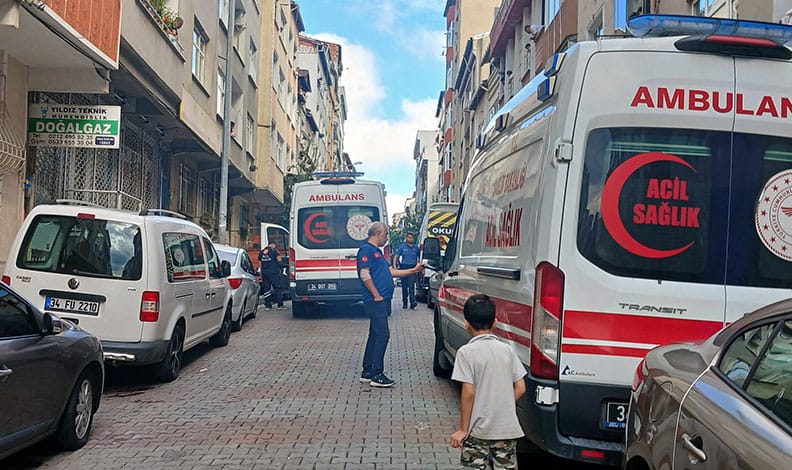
(81, 38)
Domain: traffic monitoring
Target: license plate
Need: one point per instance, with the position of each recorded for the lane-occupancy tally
(616, 415)
(58, 304)
(322, 287)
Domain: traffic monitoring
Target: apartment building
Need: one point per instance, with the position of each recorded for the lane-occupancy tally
(464, 19)
(427, 173)
(325, 108)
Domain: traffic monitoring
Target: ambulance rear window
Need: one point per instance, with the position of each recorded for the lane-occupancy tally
(688, 205)
(335, 226)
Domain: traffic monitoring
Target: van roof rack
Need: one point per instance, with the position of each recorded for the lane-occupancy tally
(77, 202)
(164, 212)
(336, 177)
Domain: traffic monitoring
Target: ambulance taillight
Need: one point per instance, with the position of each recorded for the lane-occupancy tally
(547, 313)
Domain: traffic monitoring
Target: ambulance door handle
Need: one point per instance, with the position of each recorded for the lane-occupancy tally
(501, 272)
(350, 256)
(452, 273)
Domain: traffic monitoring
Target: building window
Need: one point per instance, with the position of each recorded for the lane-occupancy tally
(551, 10)
(279, 152)
(209, 196)
(250, 130)
(186, 190)
(253, 60)
(706, 7)
(221, 86)
(199, 41)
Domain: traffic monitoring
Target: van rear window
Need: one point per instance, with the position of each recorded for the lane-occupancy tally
(85, 247)
(334, 226)
(684, 205)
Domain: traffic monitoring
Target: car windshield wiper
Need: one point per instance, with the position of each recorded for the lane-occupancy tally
(91, 274)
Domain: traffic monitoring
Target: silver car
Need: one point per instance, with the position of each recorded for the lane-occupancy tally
(51, 377)
(244, 284)
(722, 403)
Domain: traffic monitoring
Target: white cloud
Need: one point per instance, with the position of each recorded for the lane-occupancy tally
(425, 44)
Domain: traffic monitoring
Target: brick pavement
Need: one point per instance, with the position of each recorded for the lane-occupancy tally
(283, 394)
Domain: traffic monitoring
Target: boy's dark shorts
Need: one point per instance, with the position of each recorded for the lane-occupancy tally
(477, 453)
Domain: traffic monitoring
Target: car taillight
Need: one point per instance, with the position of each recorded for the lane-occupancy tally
(292, 269)
(547, 315)
(234, 282)
(638, 376)
(149, 306)
(7, 280)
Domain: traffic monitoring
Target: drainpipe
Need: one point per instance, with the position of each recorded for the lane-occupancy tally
(223, 209)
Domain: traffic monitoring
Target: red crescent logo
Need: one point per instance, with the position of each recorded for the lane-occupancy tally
(307, 228)
(609, 208)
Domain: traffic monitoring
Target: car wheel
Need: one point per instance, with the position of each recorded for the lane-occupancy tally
(237, 324)
(440, 366)
(299, 309)
(75, 423)
(220, 339)
(168, 370)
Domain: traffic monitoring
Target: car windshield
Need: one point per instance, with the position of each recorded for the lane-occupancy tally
(86, 247)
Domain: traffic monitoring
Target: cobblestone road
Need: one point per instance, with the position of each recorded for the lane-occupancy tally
(283, 394)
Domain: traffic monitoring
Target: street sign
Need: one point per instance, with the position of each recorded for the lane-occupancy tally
(68, 125)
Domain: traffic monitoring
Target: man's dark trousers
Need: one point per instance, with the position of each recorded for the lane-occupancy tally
(408, 288)
(379, 334)
(271, 280)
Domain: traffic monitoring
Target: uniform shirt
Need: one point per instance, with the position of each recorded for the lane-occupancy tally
(492, 367)
(268, 257)
(407, 255)
(369, 256)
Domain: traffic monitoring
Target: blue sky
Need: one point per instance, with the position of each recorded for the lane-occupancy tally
(392, 53)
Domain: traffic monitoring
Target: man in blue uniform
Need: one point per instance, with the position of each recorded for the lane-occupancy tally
(377, 278)
(270, 261)
(406, 257)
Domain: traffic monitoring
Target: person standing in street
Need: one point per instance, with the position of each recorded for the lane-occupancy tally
(376, 275)
(492, 381)
(406, 257)
(270, 261)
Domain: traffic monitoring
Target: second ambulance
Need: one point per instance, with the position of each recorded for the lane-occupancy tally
(638, 192)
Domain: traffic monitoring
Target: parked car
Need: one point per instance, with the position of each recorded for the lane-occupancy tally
(149, 285)
(434, 288)
(722, 403)
(244, 284)
(51, 377)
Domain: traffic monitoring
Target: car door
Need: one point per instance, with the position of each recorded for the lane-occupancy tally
(186, 270)
(251, 285)
(32, 382)
(737, 415)
(217, 289)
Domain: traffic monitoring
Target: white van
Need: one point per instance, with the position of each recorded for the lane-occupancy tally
(149, 285)
(438, 222)
(638, 192)
(329, 221)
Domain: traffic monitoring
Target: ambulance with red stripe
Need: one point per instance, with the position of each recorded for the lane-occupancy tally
(636, 193)
(329, 220)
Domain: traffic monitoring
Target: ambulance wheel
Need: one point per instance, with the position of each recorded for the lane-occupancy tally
(440, 366)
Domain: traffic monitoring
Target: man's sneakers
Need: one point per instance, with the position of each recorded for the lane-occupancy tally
(412, 307)
(281, 307)
(267, 308)
(381, 381)
(365, 378)
(404, 305)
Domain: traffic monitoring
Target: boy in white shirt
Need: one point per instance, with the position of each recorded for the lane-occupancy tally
(492, 381)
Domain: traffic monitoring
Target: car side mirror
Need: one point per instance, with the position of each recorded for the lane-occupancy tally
(50, 325)
(431, 253)
(225, 269)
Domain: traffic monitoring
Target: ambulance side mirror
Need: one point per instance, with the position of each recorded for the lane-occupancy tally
(431, 253)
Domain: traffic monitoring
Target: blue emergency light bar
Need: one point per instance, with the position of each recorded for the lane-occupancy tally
(678, 25)
(336, 174)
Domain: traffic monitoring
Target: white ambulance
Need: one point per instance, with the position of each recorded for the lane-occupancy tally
(638, 192)
(329, 220)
